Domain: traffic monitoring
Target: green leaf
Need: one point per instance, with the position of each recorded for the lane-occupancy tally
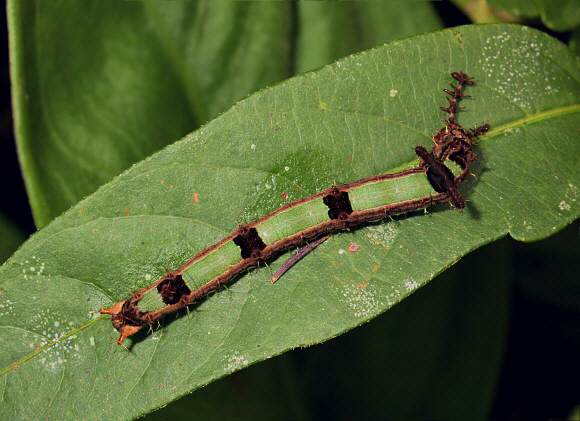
(332, 30)
(358, 117)
(436, 354)
(558, 15)
(516, 7)
(99, 86)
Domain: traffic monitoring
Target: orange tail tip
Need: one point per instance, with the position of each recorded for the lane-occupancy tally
(127, 331)
(116, 309)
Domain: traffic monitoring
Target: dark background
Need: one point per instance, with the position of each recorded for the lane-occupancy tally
(540, 373)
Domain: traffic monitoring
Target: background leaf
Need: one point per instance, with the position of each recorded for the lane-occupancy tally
(558, 15)
(575, 42)
(328, 31)
(11, 236)
(358, 117)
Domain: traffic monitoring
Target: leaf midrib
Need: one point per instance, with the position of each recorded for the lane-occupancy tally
(533, 118)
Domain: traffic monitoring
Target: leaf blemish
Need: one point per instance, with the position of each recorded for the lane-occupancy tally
(8, 306)
(60, 350)
(236, 362)
(384, 234)
(35, 270)
(411, 285)
(362, 301)
(564, 206)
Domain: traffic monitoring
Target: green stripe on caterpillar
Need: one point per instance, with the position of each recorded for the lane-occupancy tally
(434, 181)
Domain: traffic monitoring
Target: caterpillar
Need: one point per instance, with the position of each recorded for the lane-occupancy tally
(435, 180)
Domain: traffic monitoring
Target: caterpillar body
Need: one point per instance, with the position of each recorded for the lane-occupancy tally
(433, 181)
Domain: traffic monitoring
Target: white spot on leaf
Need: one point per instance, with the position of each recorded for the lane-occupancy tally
(564, 206)
(383, 234)
(362, 301)
(411, 285)
(235, 362)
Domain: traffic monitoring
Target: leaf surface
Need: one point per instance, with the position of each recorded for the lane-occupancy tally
(358, 117)
(99, 87)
